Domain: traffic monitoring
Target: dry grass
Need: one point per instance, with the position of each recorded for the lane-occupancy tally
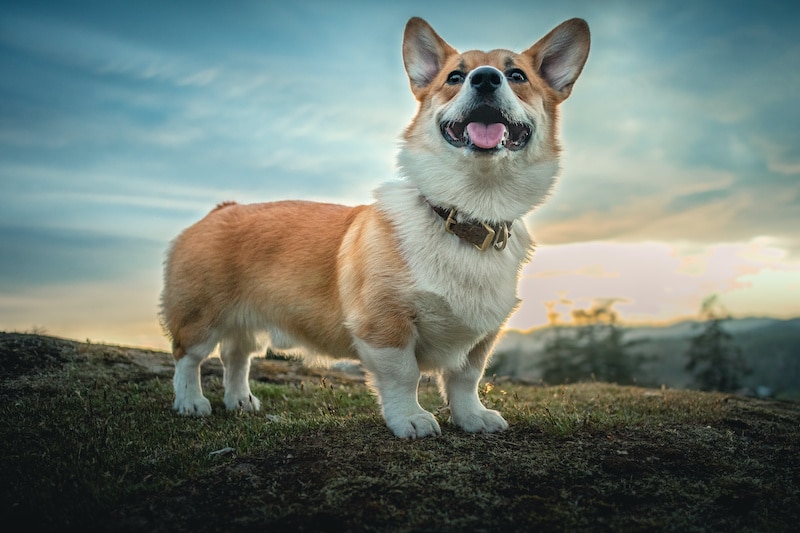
(89, 441)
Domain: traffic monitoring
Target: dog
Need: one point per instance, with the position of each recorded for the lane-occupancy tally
(420, 281)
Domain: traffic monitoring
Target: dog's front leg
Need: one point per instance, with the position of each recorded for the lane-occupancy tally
(460, 390)
(395, 375)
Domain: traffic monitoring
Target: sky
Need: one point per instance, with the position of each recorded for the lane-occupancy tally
(122, 123)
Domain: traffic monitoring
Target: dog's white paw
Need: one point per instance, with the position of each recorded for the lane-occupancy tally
(197, 406)
(246, 402)
(484, 421)
(416, 426)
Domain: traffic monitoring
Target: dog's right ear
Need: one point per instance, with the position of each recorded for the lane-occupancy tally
(424, 53)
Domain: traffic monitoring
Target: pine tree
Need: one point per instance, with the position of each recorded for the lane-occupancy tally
(562, 361)
(717, 363)
(595, 348)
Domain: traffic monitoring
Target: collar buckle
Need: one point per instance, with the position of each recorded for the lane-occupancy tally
(496, 237)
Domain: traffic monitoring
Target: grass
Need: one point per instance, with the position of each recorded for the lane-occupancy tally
(89, 441)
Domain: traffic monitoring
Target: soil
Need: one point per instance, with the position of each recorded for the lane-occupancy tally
(736, 469)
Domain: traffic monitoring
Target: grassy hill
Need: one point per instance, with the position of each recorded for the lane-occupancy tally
(89, 442)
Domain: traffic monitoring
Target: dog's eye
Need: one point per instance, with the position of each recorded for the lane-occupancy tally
(456, 78)
(515, 75)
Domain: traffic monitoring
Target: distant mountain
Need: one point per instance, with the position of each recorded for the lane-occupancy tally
(770, 346)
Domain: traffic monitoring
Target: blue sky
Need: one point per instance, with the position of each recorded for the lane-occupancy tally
(122, 123)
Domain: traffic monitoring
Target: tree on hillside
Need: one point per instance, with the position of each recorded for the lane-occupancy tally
(717, 363)
(562, 362)
(594, 348)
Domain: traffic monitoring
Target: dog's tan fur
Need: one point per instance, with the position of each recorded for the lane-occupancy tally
(381, 283)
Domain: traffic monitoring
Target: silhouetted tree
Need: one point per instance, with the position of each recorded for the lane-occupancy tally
(594, 348)
(717, 363)
(562, 362)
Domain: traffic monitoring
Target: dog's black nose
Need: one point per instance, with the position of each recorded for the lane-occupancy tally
(486, 80)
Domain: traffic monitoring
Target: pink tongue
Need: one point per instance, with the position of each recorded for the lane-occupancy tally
(486, 135)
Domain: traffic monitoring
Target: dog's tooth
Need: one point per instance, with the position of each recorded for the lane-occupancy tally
(504, 140)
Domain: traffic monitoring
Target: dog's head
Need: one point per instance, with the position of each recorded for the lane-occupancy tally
(484, 139)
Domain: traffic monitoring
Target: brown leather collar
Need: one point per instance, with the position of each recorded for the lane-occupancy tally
(479, 234)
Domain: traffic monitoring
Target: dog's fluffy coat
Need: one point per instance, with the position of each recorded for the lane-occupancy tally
(385, 283)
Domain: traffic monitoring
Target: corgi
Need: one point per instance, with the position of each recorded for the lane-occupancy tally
(420, 281)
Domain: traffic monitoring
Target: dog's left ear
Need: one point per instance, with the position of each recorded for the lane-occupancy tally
(424, 53)
(559, 56)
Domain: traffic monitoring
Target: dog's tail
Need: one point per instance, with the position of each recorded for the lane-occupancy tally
(223, 205)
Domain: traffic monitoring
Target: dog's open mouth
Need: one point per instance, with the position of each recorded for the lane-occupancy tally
(486, 129)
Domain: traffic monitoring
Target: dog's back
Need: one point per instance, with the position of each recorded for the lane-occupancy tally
(263, 267)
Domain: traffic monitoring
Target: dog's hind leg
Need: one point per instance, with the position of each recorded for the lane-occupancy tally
(460, 390)
(189, 399)
(235, 354)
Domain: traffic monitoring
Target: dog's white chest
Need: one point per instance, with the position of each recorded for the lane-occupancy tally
(478, 287)
(477, 295)
(456, 309)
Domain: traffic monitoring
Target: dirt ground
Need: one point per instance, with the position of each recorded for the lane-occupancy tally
(734, 467)
(742, 475)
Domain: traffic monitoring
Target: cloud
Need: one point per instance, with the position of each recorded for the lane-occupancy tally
(659, 280)
(62, 41)
(591, 271)
(41, 256)
(696, 206)
(688, 135)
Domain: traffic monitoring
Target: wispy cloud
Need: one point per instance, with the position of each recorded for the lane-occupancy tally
(39, 256)
(681, 130)
(92, 49)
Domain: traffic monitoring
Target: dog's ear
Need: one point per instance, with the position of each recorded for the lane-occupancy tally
(424, 53)
(559, 56)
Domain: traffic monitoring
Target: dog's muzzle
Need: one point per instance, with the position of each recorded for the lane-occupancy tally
(486, 129)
